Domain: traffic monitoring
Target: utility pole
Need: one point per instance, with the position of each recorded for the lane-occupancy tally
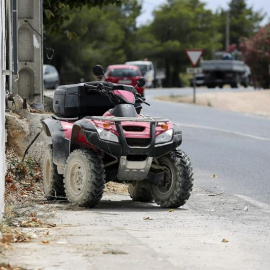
(227, 42)
(27, 50)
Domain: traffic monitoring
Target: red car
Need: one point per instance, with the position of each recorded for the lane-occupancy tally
(124, 74)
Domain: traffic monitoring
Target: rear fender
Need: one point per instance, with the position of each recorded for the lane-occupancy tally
(60, 144)
(78, 133)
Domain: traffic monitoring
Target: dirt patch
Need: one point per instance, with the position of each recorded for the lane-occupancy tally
(116, 188)
(256, 102)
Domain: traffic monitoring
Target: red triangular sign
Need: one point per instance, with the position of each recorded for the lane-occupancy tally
(194, 56)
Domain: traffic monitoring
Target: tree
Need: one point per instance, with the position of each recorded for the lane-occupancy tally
(96, 36)
(244, 22)
(57, 12)
(256, 52)
(180, 25)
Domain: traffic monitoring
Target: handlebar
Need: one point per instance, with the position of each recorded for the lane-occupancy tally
(141, 99)
(107, 90)
(98, 88)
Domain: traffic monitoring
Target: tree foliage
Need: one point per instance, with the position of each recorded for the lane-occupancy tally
(57, 12)
(256, 51)
(244, 21)
(95, 36)
(180, 25)
(86, 32)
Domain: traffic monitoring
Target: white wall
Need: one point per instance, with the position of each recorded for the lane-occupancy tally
(2, 105)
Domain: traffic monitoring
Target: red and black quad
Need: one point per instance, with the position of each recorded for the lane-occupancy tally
(99, 135)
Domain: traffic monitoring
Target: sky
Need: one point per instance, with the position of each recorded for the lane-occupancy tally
(150, 5)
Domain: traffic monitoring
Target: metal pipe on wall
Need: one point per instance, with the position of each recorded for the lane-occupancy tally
(9, 44)
(15, 37)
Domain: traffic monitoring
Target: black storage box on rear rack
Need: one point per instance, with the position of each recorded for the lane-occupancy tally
(76, 100)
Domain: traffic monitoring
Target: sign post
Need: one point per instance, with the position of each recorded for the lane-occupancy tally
(194, 57)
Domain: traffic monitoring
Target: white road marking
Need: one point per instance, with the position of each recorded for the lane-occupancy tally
(226, 131)
(263, 206)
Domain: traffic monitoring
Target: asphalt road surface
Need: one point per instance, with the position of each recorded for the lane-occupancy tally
(231, 146)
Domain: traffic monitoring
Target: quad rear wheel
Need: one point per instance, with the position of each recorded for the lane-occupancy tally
(178, 180)
(140, 191)
(52, 181)
(84, 178)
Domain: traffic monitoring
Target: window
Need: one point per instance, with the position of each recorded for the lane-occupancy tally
(121, 72)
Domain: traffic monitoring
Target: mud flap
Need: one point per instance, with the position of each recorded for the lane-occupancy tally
(60, 145)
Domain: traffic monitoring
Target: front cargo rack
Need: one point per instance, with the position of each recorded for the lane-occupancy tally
(131, 119)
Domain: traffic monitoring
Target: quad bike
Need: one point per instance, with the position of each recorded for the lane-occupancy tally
(99, 135)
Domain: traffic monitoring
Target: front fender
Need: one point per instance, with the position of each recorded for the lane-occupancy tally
(177, 130)
(60, 145)
(78, 132)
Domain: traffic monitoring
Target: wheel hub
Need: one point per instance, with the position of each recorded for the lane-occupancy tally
(168, 180)
(77, 178)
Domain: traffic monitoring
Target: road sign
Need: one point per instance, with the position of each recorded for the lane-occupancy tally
(194, 70)
(194, 56)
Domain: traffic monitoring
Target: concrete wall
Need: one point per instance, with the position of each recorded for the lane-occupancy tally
(2, 105)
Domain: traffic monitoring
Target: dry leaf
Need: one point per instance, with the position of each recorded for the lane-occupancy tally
(225, 240)
(7, 238)
(147, 218)
(45, 242)
(21, 237)
(215, 194)
(171, 210)
(13, 188)
(50, 225)
(24, 170)
(213, 176)
(9, 179)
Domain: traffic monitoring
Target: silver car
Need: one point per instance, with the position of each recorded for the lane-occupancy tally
(50, 77)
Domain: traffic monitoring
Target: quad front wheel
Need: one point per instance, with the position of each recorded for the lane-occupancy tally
(178, 180)
(84, 178)
(52, 181)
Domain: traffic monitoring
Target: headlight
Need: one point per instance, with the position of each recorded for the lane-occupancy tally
(107, 135)
(164, 137)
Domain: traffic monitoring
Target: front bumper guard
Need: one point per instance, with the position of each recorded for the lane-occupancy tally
(122, 148)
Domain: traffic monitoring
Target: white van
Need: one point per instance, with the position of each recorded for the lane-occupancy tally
(147, 70)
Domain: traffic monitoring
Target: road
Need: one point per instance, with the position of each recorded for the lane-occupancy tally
(233, 146)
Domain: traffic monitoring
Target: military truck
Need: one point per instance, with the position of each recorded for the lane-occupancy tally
(225, 69)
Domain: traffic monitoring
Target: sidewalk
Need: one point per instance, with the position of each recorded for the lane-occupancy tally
(212, 231)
